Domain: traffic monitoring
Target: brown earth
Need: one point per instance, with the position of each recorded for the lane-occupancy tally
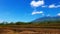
(9, 30)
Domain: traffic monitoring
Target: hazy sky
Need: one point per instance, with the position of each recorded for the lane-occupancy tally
(28, 10)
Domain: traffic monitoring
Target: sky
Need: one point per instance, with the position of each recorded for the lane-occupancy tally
(27, 10)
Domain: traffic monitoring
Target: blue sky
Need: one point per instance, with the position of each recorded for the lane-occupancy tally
(27, 10)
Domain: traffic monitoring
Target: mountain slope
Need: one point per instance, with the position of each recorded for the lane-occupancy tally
(56, 18)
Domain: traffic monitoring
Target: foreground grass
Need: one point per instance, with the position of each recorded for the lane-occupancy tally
(55, 26)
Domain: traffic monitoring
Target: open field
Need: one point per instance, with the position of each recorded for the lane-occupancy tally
(27, 30)
(30, 29)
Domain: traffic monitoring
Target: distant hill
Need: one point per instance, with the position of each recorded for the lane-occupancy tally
(46, 19)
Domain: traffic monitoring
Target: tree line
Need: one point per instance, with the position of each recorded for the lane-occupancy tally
(24, 23)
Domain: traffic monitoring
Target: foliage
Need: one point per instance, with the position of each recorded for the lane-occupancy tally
(38, 23)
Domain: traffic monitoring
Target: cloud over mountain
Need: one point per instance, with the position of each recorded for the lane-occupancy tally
(54, 6)
(37, 12)
(58, 14)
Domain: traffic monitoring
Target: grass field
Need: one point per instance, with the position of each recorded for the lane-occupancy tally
(29, 29)
(8, 30)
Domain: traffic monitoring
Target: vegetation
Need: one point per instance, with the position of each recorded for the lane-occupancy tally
(48, 24)
(37, 23)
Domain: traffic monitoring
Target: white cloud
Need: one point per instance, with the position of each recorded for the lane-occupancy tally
(58, 14)
(38, 12)
(44, 6)
(37, 3)
(54, 6)
(48, 15)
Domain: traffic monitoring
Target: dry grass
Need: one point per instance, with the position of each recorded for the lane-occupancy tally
(24, 30)
(8, 30)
